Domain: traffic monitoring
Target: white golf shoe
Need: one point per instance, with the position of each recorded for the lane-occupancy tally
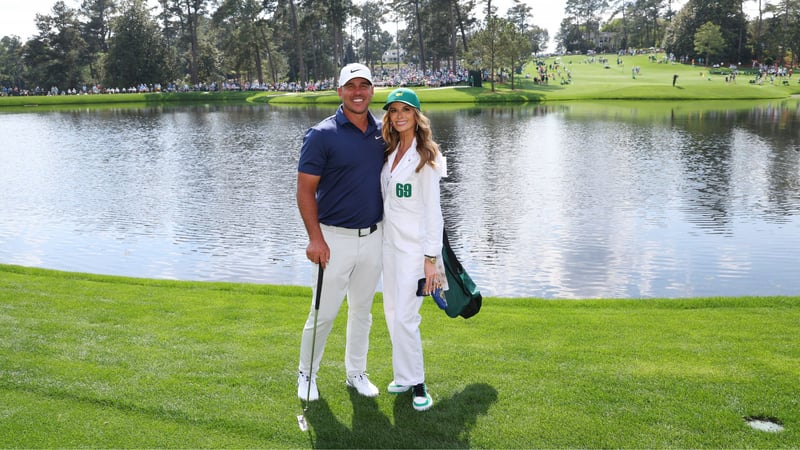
(304, 391)
(362, 384)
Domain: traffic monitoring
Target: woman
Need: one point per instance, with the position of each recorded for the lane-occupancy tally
(412, 239)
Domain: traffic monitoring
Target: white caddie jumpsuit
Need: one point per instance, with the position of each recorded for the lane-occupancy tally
(412, 228)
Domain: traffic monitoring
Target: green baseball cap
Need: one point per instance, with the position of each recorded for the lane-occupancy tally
(404, 95)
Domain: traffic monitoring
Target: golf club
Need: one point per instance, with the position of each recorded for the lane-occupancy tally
(301, 418)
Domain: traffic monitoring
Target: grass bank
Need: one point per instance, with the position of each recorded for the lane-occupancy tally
(589, 81)
(111, 362)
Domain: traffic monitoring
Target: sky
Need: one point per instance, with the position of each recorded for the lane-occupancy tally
(547, 14)
(18, 16)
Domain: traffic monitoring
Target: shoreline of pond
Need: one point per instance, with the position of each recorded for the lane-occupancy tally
(577, 79)
(453, 95)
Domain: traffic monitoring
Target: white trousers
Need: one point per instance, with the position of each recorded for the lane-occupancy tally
(401, 308)
(353, 271)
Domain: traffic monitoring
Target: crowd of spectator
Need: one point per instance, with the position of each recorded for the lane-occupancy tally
(84, 90)
(382, 76)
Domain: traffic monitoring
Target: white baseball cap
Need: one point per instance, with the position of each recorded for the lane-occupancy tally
(354, 70)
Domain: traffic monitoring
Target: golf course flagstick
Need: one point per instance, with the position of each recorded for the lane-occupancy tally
(301, 418)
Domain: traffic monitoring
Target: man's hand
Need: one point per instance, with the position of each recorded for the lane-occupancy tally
(317, 252)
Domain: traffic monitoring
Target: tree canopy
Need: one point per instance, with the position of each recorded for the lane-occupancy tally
(124, 43)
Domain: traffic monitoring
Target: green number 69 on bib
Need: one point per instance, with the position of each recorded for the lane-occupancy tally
(403, 190)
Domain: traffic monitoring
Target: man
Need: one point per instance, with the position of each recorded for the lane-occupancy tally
(339, 198)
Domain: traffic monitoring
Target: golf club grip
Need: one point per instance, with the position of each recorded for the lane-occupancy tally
(319, 287)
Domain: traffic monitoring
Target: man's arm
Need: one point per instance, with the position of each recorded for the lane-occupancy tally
(317, 250)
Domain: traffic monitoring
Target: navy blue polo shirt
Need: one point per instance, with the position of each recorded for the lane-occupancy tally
(349, 164)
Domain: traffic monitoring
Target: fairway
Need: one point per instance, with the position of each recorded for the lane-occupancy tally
(640, 77)
(590, 79)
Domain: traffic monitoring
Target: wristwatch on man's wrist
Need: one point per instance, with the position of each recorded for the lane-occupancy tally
(430, 259)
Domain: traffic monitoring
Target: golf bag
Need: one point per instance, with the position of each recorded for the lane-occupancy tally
(463, 297)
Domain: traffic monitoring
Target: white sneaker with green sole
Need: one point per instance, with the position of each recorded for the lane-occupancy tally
(422, 400)
(395, 388)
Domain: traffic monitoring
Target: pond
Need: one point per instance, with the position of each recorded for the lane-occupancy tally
(565, 200)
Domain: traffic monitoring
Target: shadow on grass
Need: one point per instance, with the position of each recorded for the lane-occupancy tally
(446, 425)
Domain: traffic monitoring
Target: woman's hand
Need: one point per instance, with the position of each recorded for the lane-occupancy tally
(431, 276)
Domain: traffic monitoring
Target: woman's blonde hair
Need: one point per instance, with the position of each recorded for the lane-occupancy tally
(426, 146)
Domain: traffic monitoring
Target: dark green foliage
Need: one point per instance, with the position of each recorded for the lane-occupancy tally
(137, 52)
(204, 41)
(726, 14)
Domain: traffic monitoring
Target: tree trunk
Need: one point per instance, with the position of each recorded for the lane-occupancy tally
(336, 18)
(192, 8)
(453, 35)
(259, 64)
(272, 70)
(741, 34)
(461, 26)
(757, 43)
(419, 36)
(492, 37)
(298, 44)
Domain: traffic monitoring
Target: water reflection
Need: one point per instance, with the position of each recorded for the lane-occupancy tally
(555, 201)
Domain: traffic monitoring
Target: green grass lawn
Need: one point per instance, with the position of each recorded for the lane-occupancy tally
(592, 81)
(110, 362)
(589, 82)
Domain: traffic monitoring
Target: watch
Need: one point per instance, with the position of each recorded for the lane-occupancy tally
(430, 259)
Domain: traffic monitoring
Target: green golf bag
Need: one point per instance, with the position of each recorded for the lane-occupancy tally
(463, 297)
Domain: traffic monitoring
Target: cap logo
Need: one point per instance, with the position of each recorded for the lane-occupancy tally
(354, 70)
